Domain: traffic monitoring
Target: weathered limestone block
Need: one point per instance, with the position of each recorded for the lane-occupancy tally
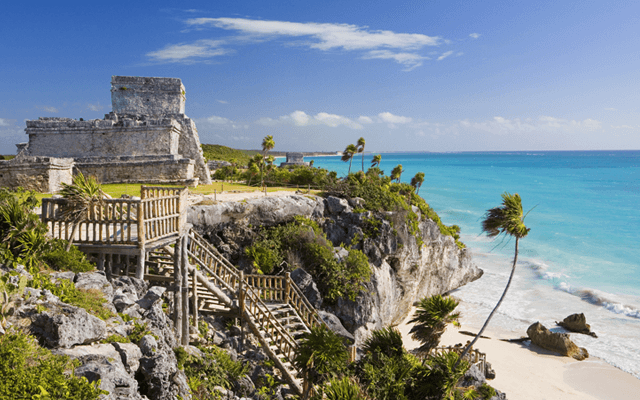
(63, 325)
(42, 174)
(558, 342)
(147, 96)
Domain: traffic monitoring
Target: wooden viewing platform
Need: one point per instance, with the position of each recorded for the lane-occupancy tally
(151, 233)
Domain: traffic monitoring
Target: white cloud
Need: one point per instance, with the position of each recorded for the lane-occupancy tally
(4, 122)
(94, 107)
(216, 120)
(365, 120)
(622, 127)
(410, 60)
(301, 118)
(334, 120)
(504, 126)
(474, 35)
(378, 44)
(189, 52)
(393, 119)
(445, 55)
(49, 109)
(222, 101)
(610, 109)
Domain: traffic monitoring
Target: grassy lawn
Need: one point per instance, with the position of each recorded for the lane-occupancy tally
(116, 190)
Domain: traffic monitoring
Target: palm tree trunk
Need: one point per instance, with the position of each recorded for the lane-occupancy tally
(513, 270)
(351, 159)
(362, 160)
(73, 233)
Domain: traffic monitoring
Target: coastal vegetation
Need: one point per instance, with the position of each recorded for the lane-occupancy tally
(224, 153)
(302, 243)
(508, 220)
(386, 371)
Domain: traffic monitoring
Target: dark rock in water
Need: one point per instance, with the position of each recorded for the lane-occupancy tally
(558, 342)
(336, 326)
(308, 287)
(577, 323)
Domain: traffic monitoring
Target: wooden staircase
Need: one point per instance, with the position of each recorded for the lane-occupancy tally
(273, 307)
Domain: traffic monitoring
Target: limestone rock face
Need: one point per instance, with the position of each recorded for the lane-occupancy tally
(63, 325)
(402, 270)
(558, 342)
(307, 286)
(577, 323)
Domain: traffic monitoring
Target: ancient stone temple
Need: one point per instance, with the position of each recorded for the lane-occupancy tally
(294, 159)
(146, 138)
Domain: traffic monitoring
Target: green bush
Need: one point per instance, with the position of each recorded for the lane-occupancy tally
(321, 355)
(61, 260)
(215, 368)
(31, 372)
(304, 239)
(341, 389)
(91, 300)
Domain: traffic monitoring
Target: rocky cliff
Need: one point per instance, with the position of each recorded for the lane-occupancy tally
(403, 269)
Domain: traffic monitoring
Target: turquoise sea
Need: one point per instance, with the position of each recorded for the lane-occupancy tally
(582, 254)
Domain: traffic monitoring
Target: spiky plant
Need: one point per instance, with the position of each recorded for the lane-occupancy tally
(508, 219)
(83, 194)
(430, 320)
(320, 356)
(387, 341)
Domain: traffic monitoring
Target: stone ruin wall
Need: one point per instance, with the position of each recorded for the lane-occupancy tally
(146, 138)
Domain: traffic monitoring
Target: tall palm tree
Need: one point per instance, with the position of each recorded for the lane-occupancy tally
(267, 144)
(432, 316)
(507, 219)
(375, 162)
(396, 173)
(82, 194)
(417, 181)
(347, 155)
(361, 150)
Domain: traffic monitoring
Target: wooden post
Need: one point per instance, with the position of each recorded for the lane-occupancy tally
(177, 295)
(352, 354)
(141, 237)
(185, 292)
(194, 296)
(241, 308)
(108, 265)
(100, 265)
(287, 287)
(215, 194)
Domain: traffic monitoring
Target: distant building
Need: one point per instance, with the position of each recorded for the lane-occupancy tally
(294, 159)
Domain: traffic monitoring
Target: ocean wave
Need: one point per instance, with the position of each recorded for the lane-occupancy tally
(588, 295)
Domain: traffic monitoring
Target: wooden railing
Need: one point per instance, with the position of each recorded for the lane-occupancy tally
(110, 221)
(209, 260)
(158, 214)
(300, 303)
(270, 288)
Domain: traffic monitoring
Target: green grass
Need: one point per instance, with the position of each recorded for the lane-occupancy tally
(218, 152)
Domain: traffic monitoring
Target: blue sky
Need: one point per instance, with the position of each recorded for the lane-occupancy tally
(414, 75)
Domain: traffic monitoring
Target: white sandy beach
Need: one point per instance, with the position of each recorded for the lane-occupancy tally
(528, 372)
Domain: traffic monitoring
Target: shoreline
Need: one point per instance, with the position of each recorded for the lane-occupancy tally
(527, 372)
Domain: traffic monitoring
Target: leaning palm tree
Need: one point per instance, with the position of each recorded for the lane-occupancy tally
(347, 155)
(83, 194)
(360, 145)
(430, 320)
(267, 144)
(507, 219)
(417, 181)
(396, 172)
(375, 162)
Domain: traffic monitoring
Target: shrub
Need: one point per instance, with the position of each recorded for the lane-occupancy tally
(431, 318)
(61, 260)
(215, 368)
(30, 371)
(341, 389)
(321, 355)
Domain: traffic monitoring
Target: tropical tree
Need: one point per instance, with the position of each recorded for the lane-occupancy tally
(396, 172)
(375, 162)
(507, 219)
(81, 195)
(267, 144)
(347, 154)
(360, 144)
(417, 181)
(430, 320)
(320, 356)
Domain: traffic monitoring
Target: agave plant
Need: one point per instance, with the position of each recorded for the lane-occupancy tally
(83, 194)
